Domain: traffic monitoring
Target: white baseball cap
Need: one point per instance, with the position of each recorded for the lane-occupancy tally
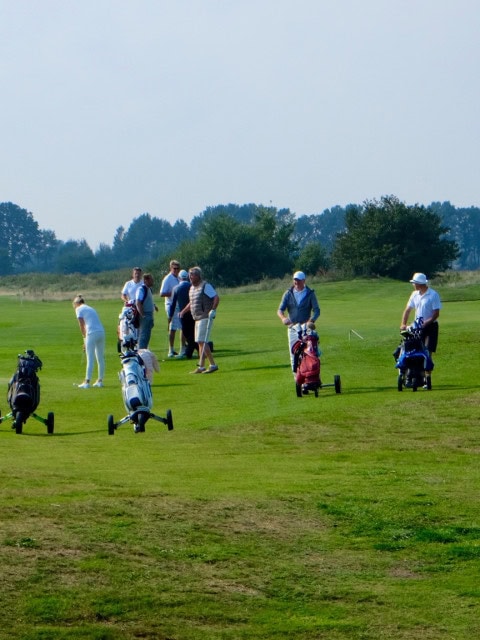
(419, 278)
(183, 275)
(299, 275)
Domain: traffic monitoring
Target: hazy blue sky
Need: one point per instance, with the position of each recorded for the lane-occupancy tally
(114, 108)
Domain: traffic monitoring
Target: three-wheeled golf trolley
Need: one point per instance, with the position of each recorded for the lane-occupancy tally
(136, 389)
(24, 393)
(306, 363)
(413, 360)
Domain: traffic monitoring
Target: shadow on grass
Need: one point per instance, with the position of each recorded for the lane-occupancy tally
(379, 389)
(260, 367)
(55, 434)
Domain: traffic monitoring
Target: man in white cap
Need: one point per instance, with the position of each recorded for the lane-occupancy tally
(427, 305)
(300, 302)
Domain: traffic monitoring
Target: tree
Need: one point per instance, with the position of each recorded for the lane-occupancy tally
(21, 238)
(313, 258)
(389, 238)
(225, 250)
(274, 231)
(322, 228)
(147, 238)
(75, 256)
(240, 213)
(44, 258)
(464, 228)
(6, 267)
(233, 253)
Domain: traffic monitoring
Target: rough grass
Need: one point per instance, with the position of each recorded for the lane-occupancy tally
(261, 515)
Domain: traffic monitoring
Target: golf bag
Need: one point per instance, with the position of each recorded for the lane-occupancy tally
(306, 361)
(24, 387)
(137, 394)
(413, 359)
(128, 328)
(23, 393)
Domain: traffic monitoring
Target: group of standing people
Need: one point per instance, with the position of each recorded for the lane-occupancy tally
(190, 306)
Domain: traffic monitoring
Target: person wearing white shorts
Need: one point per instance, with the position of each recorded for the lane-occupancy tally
(203, 305)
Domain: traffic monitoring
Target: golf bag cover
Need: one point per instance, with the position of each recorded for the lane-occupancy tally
(24, 387)
(128, 327)
(306, 360)
(136, 390)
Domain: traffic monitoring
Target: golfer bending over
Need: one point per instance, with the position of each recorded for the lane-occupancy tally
(203, 304)
(94, 340)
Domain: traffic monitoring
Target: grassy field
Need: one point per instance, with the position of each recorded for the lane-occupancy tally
(261, 515)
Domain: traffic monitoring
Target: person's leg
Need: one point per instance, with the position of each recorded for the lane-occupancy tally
(176, 325)
(90, 353)
(292, 335)
(141, 334)
(171, 335)
(200, 335)
(171, 342)
(430, 337)
(188, 334)
(430, 340)
(145, 331)
(100, 355)
(206, 348)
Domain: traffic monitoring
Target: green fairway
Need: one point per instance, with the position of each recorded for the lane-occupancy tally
(261, 515)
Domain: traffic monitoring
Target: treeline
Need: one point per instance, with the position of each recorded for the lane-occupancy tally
(240, 244)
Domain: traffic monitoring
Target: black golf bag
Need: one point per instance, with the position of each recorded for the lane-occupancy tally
(413, 359)
(23, 393)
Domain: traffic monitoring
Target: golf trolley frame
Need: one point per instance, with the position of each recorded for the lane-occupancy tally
(304, 389)
(137, 395)
(24, 394)
(139, 417)
(305, 348)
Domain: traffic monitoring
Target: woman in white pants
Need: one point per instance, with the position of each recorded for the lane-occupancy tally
(94, 340)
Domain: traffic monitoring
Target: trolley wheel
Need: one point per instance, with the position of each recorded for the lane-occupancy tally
(400, 382)
(299, 390)
(169, 420)
(141, 422)
(50, 422)
(316, 393)
(111, 426)
(338, 384)
(18, 424)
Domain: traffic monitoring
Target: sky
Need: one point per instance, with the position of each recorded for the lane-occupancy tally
(115, 108)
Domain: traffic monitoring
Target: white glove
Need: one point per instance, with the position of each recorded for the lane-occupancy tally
(212, 313)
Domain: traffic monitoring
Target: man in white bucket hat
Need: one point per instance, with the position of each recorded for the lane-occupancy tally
(427, 305)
